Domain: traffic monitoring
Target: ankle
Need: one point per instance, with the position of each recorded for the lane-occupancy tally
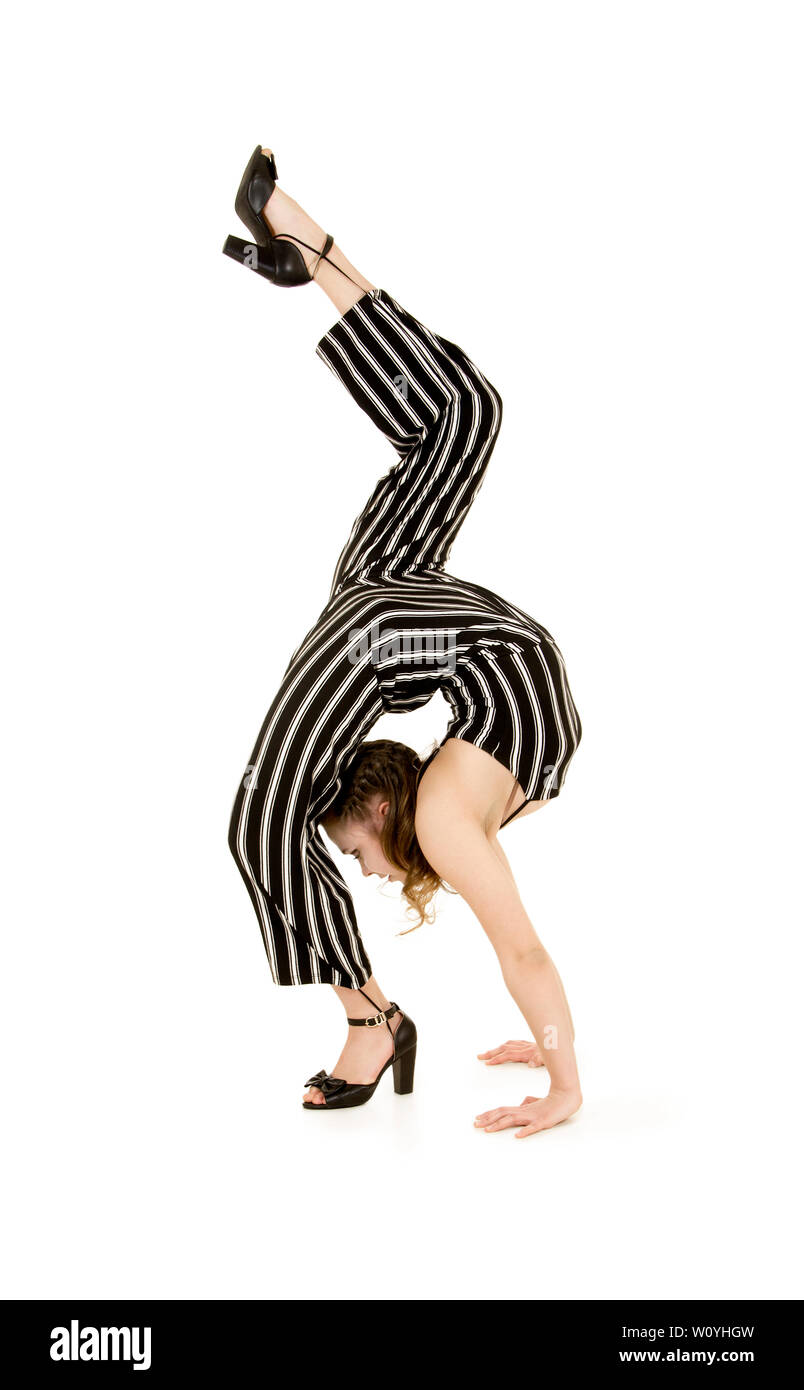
(364, 1010)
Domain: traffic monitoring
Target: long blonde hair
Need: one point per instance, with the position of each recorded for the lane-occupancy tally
(391, 769)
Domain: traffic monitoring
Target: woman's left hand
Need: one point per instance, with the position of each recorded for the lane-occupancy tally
(534, 1114)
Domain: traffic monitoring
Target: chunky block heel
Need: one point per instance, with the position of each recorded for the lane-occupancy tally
(278, 260)
(339, 1094)
(403, 1072)
(246, 252)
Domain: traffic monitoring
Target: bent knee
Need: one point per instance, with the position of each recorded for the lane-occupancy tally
(490, 403)
(477, 398)
(494, 405)
(237, 823)
(234, 831)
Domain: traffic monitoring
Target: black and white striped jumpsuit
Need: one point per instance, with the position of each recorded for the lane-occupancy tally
(395, 629)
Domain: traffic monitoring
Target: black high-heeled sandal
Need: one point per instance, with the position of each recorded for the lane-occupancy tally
(340, 1094)
(275, 258)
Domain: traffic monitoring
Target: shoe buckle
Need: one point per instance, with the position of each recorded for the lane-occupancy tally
(375, 1021)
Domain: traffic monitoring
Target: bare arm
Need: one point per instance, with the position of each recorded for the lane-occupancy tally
(460, 851)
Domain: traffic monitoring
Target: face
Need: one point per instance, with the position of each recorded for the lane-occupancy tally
(362, 840)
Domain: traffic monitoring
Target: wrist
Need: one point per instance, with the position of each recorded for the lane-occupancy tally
(567, 1092)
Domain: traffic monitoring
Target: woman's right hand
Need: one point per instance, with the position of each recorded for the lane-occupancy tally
(526, 1052)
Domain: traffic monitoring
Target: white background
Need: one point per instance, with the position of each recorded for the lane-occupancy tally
(602, 204)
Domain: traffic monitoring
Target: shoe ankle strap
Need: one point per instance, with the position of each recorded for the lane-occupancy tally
(320, 255)
(376, 1019)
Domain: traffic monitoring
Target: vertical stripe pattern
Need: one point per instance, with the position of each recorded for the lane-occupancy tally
(395, 629)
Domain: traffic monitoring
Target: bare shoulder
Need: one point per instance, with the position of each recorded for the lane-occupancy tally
(463, 782)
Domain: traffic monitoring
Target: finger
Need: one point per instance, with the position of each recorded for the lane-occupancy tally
(513, 1048)
(510, 1052)
(489, 1115)
(506, 1115)
(504, 1122)
(512, 1114)
(529, 1129)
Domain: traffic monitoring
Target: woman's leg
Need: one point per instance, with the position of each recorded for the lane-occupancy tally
(366, 1049)
(283, 215)
(460, 802)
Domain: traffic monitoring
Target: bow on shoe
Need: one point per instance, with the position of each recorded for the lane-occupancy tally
(328, 1085)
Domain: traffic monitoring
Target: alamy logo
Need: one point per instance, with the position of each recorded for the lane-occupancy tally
(102, 1344)
(413, 646)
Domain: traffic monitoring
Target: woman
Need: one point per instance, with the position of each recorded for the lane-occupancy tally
(395, 629)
